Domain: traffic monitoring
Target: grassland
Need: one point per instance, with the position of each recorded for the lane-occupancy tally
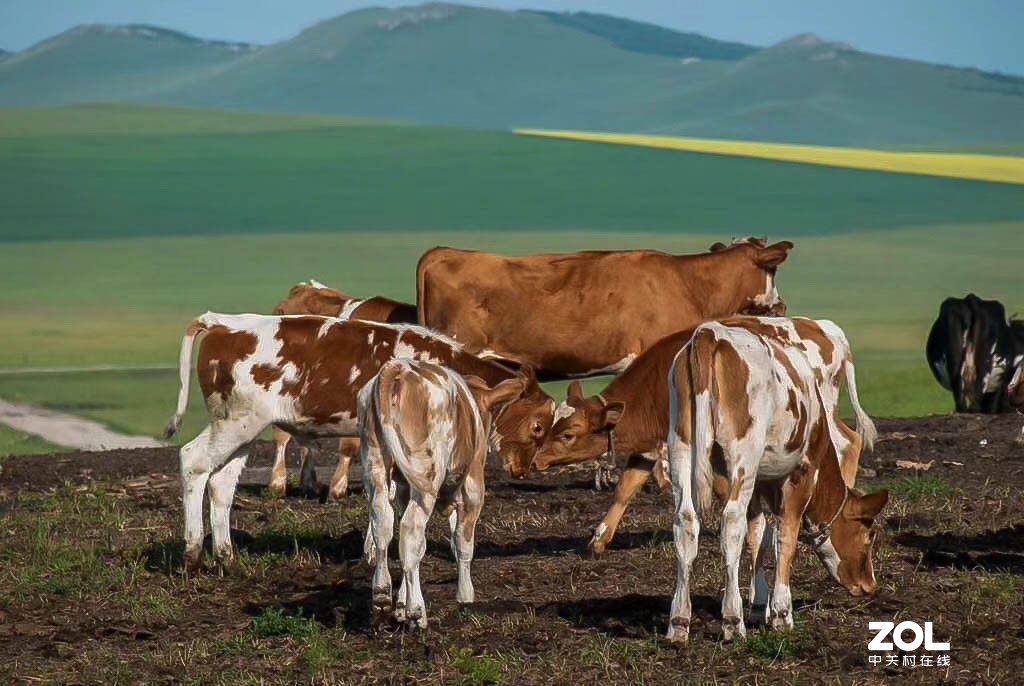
(354, 205)
(404, 178)
(979, 167)
(126, 301)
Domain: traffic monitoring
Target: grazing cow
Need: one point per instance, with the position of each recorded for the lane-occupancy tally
(749, 421)
(593, 312)
(971, 353)
(312, 297)
(428, 431)
(632, 415)
(302, 373)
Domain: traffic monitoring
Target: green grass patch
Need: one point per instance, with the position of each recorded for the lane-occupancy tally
(996, 587)
(476, 669)
(768, 644)
(15, 442)
(914, 488)
(274, 621)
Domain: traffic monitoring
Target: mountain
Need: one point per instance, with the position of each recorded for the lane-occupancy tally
(108, 62)
(468, 66)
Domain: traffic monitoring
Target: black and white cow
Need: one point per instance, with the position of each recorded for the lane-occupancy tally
(973, 353)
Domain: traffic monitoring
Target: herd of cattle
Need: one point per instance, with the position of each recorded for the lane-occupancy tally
(718, 394)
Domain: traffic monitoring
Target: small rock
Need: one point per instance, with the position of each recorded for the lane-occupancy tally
(867, 472)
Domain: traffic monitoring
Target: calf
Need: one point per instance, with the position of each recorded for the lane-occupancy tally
(426, 428)
(312, 297)
(747, 416)
(630, 416)
(302, 374)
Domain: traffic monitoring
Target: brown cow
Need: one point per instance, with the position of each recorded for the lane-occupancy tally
(303, 373)
(749, 421)
(593, 312)
(632, 411)
(312, 297)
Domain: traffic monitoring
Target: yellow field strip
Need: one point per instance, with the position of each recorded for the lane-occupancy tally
(998, 168)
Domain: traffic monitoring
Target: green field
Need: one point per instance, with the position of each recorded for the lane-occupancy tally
(354, 206)
(406, 178)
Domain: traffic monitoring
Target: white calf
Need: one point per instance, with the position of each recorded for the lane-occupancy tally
(426, 428)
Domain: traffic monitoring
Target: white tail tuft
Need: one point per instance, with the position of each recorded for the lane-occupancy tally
(184, 375)
(865, 427)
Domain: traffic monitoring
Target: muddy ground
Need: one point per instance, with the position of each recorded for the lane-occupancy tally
(91, 587)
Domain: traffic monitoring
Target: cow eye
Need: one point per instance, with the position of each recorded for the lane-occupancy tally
(566, 437)
(537, 429)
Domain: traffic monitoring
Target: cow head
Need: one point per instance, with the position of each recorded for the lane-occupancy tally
(581, 429)
(755, 276)
(847, 552)
(522, 425)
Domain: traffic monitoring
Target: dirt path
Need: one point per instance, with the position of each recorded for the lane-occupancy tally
(69, 430)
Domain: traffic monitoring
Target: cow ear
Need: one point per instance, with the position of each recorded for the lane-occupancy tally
(868, 506)
(529, 376)
(773, 255)
(718, 247)
(575, 391)
(504, 393)
(612, 413)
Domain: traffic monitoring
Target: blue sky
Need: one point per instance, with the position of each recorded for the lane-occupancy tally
(980, 33)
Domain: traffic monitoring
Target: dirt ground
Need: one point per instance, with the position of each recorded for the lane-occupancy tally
(91, 587)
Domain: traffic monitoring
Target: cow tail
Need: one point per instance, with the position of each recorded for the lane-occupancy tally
(865, 427)
(702, 360)
(386, 399)
(184, 374)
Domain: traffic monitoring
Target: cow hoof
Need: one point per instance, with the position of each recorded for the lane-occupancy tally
(276, 491)
(782, 621)
(758, 614)
(337, 492)
(193, 561)
(380, 612)
(733, 629)
(679, 630)
(595, 550)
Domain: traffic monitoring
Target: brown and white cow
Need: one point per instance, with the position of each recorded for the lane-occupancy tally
(593, 312)
(428, 431)
(750, 423)
(632, 415)
(302, 374)
(313, 297)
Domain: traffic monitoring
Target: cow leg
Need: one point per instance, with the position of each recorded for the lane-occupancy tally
(412, 545)
(685, 534)
(222, 494)
(789, 531)
(1020, 438)
(467, 511)
(347, 449)
(760, 542)
(199, 458)
(279, 473)
(633, 477)
(307, 478)
(734, 528)
(381, 529)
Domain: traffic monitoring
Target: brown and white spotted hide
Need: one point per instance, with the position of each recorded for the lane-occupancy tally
(426, 428)
(750, 416)
(635, 405)
(302, 374)
(313, 297)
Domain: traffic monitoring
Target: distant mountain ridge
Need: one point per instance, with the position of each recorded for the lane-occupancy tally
(469, 66)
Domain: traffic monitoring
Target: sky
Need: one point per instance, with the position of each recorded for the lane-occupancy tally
(974, 33)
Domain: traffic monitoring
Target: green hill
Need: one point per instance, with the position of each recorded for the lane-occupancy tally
(108, 62)
(474, 67)
(233, 173)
